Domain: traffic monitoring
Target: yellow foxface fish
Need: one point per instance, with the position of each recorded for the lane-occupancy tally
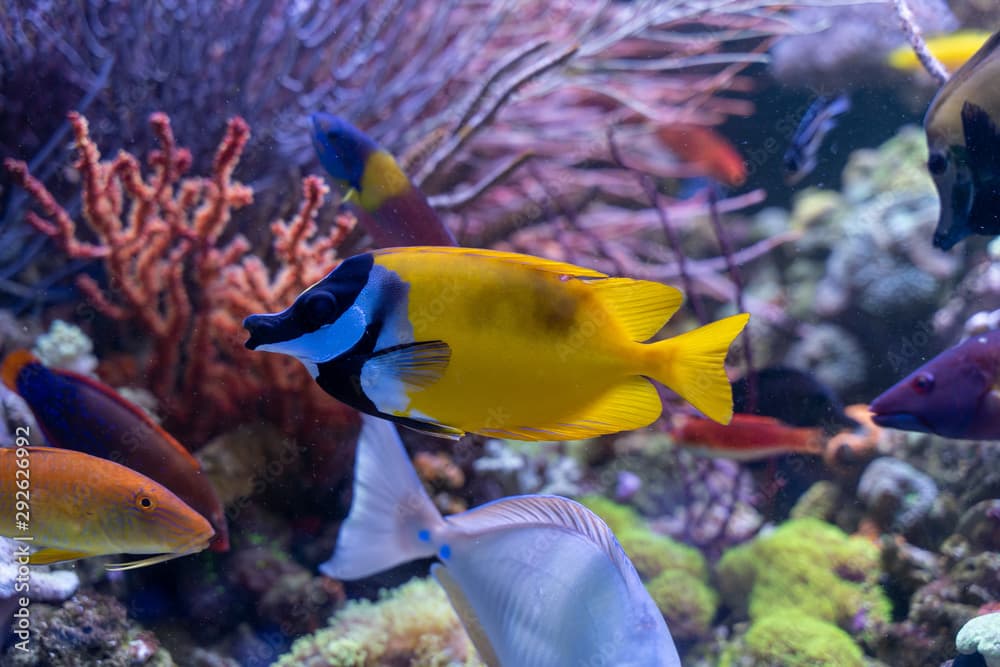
(74, 505)
(952, 50)
(456, 340)
(964, 148)
(537, 581)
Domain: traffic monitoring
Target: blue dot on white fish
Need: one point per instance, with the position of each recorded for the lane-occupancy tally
(424, 536)
(445, 552)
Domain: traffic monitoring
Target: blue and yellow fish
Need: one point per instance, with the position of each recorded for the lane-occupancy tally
(456, 340)
(819, 119)
(537, 581)
(393, 210)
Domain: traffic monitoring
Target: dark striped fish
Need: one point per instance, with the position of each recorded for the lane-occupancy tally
(819, 119)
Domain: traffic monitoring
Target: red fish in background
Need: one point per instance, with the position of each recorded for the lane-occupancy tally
(78, 413)
(792, 413)
(707, 150)
(746, 437)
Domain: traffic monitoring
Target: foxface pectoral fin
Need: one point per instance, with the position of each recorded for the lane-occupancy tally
(415, 365)
(982, 141)
(390, 376)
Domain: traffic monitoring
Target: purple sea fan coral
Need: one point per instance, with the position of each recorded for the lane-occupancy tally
(424, 79)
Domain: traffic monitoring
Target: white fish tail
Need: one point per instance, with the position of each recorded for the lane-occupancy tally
(392, 519)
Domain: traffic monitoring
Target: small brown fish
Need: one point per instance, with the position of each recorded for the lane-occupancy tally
(74, 505)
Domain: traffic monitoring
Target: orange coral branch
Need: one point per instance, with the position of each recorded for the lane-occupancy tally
(61, 229)
(158, 236)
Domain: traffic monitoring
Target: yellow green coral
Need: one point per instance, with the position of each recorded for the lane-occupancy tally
(687, 603)
(790, 639)
(652, 554)
(618, 517)
(808, 568)
(413, 625)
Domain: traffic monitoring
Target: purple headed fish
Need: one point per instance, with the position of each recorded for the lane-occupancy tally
(75, 412)
(397, 212)
(956, 394)
(538, 581)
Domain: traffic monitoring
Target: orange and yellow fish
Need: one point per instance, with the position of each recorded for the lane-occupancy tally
(74, 505)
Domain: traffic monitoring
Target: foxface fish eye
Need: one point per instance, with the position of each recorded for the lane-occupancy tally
(318, 308)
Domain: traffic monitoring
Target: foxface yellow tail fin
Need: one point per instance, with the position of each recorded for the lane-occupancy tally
(693, 365)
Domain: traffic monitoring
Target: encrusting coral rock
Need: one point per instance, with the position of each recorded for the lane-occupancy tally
(898, 494)
(413, 625)
(66, 346)
(90, 629)
(809, 567)
(790, 639)
(46, 585)
(939, 609)
(982, 635)
(864, 255)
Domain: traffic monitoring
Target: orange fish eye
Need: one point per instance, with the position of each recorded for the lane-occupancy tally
(145, 502)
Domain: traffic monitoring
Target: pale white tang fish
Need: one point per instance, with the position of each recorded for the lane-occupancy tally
(538, 581)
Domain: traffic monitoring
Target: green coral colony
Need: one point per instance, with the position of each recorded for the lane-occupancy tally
(502, 334)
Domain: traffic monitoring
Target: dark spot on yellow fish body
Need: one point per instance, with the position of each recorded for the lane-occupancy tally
(555, 309)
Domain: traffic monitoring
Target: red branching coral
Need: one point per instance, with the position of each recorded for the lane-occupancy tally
(170, 274)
